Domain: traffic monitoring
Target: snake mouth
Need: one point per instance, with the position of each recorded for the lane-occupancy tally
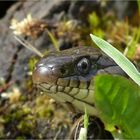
(82, 99)
(49, 80)
(79, 98)
(63, 84)
(75, 89)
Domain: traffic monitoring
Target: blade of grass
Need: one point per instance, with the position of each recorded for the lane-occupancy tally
(28, 46)
(53, 39)
(86, 119)
(83, 130)
(118, 57)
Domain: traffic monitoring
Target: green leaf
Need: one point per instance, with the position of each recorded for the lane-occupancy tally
(118, 101)
(118, 57)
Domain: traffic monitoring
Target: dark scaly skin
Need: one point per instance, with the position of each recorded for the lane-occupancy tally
(58, 75)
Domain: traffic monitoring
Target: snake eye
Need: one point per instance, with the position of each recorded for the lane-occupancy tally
(83, 65)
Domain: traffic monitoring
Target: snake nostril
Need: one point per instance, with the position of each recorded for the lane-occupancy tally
(62, 71)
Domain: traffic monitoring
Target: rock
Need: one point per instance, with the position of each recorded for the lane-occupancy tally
(13, 57)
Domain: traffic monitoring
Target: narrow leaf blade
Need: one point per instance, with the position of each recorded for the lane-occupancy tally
(118, 57)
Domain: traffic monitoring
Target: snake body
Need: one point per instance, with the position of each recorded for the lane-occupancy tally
(68, 76)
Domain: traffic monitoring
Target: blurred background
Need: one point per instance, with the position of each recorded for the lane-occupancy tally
(24, 113)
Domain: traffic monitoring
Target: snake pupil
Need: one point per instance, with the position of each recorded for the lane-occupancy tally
(83, 65)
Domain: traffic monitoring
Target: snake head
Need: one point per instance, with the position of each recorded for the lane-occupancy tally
(81, 63)
(65, 64)
(68, 76)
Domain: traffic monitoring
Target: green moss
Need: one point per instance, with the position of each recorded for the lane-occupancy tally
(17, 114)
(32, 62)
(93, 19)
(21, 138)
(43, 107)
(45, 112)
(26, 125)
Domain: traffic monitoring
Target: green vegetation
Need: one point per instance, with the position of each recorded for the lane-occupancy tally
(31, 115)
(132, 43)
(95, 25)
(53, 39)
(118, 100)
(116, 97)
(118, 57)
(84, 130)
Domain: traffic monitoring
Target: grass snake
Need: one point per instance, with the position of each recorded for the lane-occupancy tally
(68, 76)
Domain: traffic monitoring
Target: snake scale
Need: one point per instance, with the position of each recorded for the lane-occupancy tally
(68, 76)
